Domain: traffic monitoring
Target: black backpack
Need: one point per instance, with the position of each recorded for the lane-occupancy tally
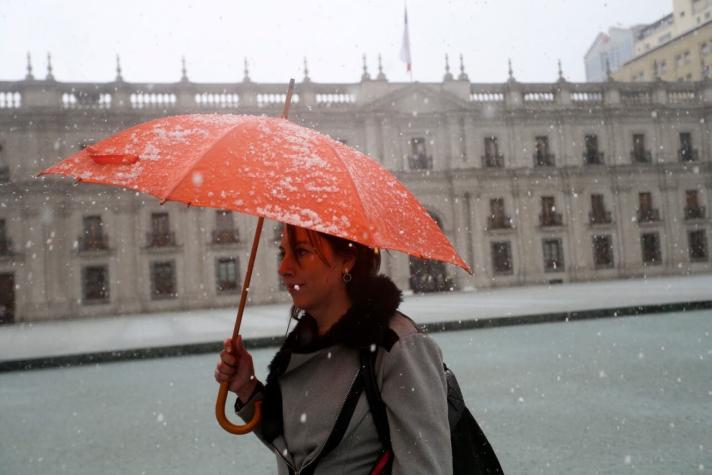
(472, 453)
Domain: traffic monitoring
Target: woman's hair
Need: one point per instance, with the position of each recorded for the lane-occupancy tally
(367, 261)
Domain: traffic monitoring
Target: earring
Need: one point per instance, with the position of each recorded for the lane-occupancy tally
(346, 277)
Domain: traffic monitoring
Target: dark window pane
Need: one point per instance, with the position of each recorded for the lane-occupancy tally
(650, 243)
(502, 257)
(95, 283)
(163, 279)
(697, 241)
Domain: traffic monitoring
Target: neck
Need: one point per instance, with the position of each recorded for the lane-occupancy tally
(330, 312)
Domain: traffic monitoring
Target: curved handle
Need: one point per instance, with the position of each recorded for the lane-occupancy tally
(229, 426)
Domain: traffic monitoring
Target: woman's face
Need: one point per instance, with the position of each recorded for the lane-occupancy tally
(312, 280)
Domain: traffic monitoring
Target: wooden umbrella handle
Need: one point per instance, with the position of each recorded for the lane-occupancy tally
(236, 429)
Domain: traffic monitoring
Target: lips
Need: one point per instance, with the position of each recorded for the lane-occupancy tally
(294, 287)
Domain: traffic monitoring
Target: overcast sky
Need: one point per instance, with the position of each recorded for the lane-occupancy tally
(150, 36)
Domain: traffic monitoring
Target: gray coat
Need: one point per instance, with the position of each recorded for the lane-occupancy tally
(315, 384)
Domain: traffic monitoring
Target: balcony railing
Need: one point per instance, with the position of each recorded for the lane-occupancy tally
(99, 242)
(551, 219)
(225, 236)
(499, 222)
(420, 162)
(553, 265)
(544, 159)
(695, 212)
(641, 156)
(600, 217)
(593, 158)
(6, 247)
(688, 154)
(161, 239)
(649, 215)
(493, 161)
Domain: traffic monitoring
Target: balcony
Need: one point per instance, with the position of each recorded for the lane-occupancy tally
(600, 217)
(98, 242)
(641, 156)
(543, 159)
(592, 158)
(695, 212)
(550, 219)
(167, 239)
(493, 161)
(499, 222)
(6, 247)
(420, 162)
(688, 154)
(226, 236)
(650, 215)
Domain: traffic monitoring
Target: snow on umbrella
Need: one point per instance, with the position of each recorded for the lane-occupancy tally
(270, 168)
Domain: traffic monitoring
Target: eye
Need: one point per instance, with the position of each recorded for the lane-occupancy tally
(280, 254)
(301, 252)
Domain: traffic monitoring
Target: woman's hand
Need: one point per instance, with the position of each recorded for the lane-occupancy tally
(235, 368)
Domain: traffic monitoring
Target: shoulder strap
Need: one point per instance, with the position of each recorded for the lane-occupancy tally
(373, 394)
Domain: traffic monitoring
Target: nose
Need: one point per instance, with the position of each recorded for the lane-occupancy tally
(286, 266)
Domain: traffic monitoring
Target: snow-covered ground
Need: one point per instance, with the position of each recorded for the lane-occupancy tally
(25, 341)
(610, 396)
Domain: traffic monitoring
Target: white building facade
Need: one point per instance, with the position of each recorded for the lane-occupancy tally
(533, 183)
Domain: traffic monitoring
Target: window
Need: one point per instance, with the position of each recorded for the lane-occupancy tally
(599, 215)
(697, 242)
(95, 284)
(591, 155)
(602, 251)
(549, 216)
(553, 255)
(227, 274)
(639, 154)
(502, 257)
(418, 158)
(163, 279)
(693, 210)
(650, 243)
(160, 234)
(225, 231)
(492, 157)
(497, 218)
(5, 243)
(646, 212)
(686, 153)
(93, 237)
(542, 157)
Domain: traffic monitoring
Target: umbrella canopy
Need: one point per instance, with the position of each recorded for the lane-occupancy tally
(266, 167)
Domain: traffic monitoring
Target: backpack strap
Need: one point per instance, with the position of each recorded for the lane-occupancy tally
(378, 411)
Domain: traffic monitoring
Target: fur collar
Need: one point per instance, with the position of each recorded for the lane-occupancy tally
(364, 324)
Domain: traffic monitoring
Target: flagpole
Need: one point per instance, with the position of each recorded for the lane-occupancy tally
(405, 45)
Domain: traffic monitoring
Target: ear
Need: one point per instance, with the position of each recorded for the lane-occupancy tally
(349, 262)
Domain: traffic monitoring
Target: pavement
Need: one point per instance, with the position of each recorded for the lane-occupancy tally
(81, 341)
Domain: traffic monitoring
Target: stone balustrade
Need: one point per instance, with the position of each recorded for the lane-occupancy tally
(184, 95)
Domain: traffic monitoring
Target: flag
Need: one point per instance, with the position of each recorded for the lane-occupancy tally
(405, 47)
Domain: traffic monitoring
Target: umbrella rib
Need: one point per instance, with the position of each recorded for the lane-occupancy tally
(373, 230)
(190, 168)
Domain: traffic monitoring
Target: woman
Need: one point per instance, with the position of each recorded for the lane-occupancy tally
(343, 306)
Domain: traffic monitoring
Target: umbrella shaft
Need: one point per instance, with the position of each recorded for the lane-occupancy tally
(248, 277)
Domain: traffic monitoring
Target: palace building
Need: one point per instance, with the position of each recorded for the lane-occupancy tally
(533, 183)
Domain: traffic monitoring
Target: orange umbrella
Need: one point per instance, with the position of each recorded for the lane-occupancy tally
(270, 168)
